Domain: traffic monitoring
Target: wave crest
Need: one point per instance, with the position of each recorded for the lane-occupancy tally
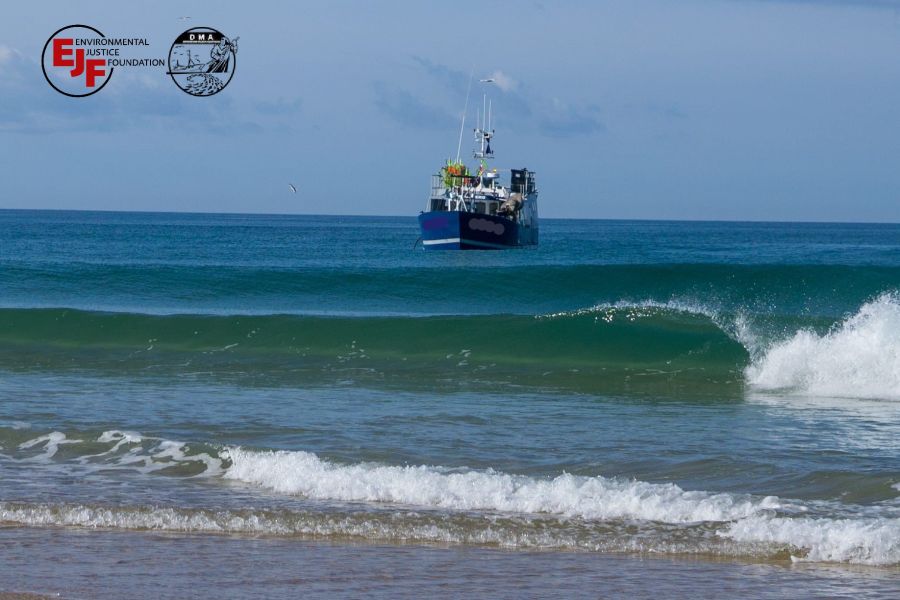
(857, 358)
(305, 474)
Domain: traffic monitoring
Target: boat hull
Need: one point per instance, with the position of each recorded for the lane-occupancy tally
(456, 230)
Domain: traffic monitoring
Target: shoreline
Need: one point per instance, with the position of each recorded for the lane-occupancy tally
(695, 558)
(103, 564)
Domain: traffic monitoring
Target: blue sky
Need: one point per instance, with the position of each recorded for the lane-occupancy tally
(696, 109)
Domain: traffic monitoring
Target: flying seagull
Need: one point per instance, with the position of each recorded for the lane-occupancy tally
(488, 80)
(293, 189)
(183, 18)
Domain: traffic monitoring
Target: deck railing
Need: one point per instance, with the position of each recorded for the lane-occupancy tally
(438, 190)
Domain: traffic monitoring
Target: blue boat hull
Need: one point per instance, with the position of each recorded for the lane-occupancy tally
(452, 230)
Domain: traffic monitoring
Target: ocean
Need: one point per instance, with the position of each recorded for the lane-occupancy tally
(243, 406)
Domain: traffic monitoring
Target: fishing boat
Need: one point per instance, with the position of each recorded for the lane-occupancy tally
(476, 210)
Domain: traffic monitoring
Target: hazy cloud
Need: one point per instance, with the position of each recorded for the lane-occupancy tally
(562, 120)
(515, 101)
(408, 110)
(504, 81)
(453, 80)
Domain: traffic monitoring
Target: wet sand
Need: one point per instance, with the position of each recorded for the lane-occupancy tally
(103, 564)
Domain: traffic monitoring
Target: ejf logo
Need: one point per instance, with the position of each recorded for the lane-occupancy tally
(73, 61)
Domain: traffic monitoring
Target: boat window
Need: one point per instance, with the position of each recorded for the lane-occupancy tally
(479, 207)
(453, 205)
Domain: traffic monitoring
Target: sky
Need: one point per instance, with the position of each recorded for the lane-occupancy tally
(774, 110)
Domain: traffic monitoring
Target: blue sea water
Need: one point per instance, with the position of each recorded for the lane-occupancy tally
(715, 395)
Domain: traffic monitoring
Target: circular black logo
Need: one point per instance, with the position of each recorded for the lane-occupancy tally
(202, 61)
(70, 64)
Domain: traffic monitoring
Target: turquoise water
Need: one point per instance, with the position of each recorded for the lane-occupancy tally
(704, 391)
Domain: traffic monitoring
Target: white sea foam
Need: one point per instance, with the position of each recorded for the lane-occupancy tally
(305, 474)
(128, 450)
(166, 519)
(177, 452)
(157, 455)
(121, 438)
(871, 541)
(467, 529)
(51, 442)
(858, 358)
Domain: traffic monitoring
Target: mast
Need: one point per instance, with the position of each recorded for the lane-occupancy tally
(484, 132)
(465, 110)
(483, 136)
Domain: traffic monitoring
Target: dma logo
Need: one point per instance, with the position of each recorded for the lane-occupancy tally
(202, 61)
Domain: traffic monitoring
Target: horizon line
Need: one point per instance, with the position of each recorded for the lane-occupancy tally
(275, 214)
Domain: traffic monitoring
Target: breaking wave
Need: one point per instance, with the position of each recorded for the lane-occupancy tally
(606, 347)
(857, 358)
(305, 474)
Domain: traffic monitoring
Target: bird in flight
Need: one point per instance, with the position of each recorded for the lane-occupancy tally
(488, 80)
(183, 18)
(293, 189)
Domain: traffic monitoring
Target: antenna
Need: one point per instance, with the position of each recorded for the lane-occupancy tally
(465, 110)
(490, 103)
